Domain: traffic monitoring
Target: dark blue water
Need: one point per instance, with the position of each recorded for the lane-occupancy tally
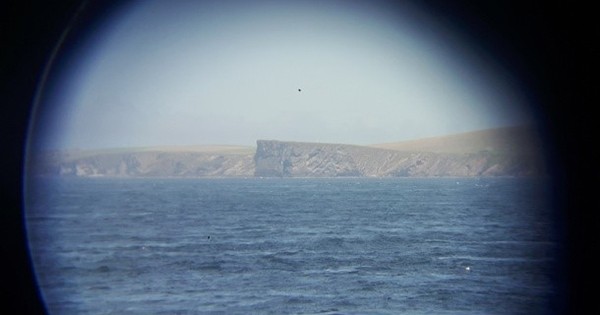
(292, 246)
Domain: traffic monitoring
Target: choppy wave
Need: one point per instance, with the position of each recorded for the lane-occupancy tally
(424, 246)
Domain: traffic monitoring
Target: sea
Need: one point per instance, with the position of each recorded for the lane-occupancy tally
(293, 245)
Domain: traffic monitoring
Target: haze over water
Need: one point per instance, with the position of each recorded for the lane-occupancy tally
(229, 72)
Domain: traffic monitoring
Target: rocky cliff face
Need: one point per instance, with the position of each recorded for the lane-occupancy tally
(294, 159)
(150, 164)
(486, 153)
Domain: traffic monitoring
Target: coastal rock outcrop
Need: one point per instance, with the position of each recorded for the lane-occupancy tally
(150, 164)
(296, 159)
(496, 152)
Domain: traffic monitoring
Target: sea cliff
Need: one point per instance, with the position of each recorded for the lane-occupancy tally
(498, 152)
(147, 163)
(293, 159)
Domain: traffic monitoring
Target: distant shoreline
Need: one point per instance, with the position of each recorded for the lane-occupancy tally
(512, 152)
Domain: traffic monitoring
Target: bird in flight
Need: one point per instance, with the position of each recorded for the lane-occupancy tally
(299, 90)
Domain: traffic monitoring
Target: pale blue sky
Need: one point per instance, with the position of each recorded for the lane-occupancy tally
(228, 72)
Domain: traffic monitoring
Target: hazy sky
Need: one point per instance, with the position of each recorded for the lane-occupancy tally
(228, 72)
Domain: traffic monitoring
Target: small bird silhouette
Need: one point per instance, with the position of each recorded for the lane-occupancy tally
(299, 90)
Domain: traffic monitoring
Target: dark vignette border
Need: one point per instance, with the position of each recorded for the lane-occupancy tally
(548, 46)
